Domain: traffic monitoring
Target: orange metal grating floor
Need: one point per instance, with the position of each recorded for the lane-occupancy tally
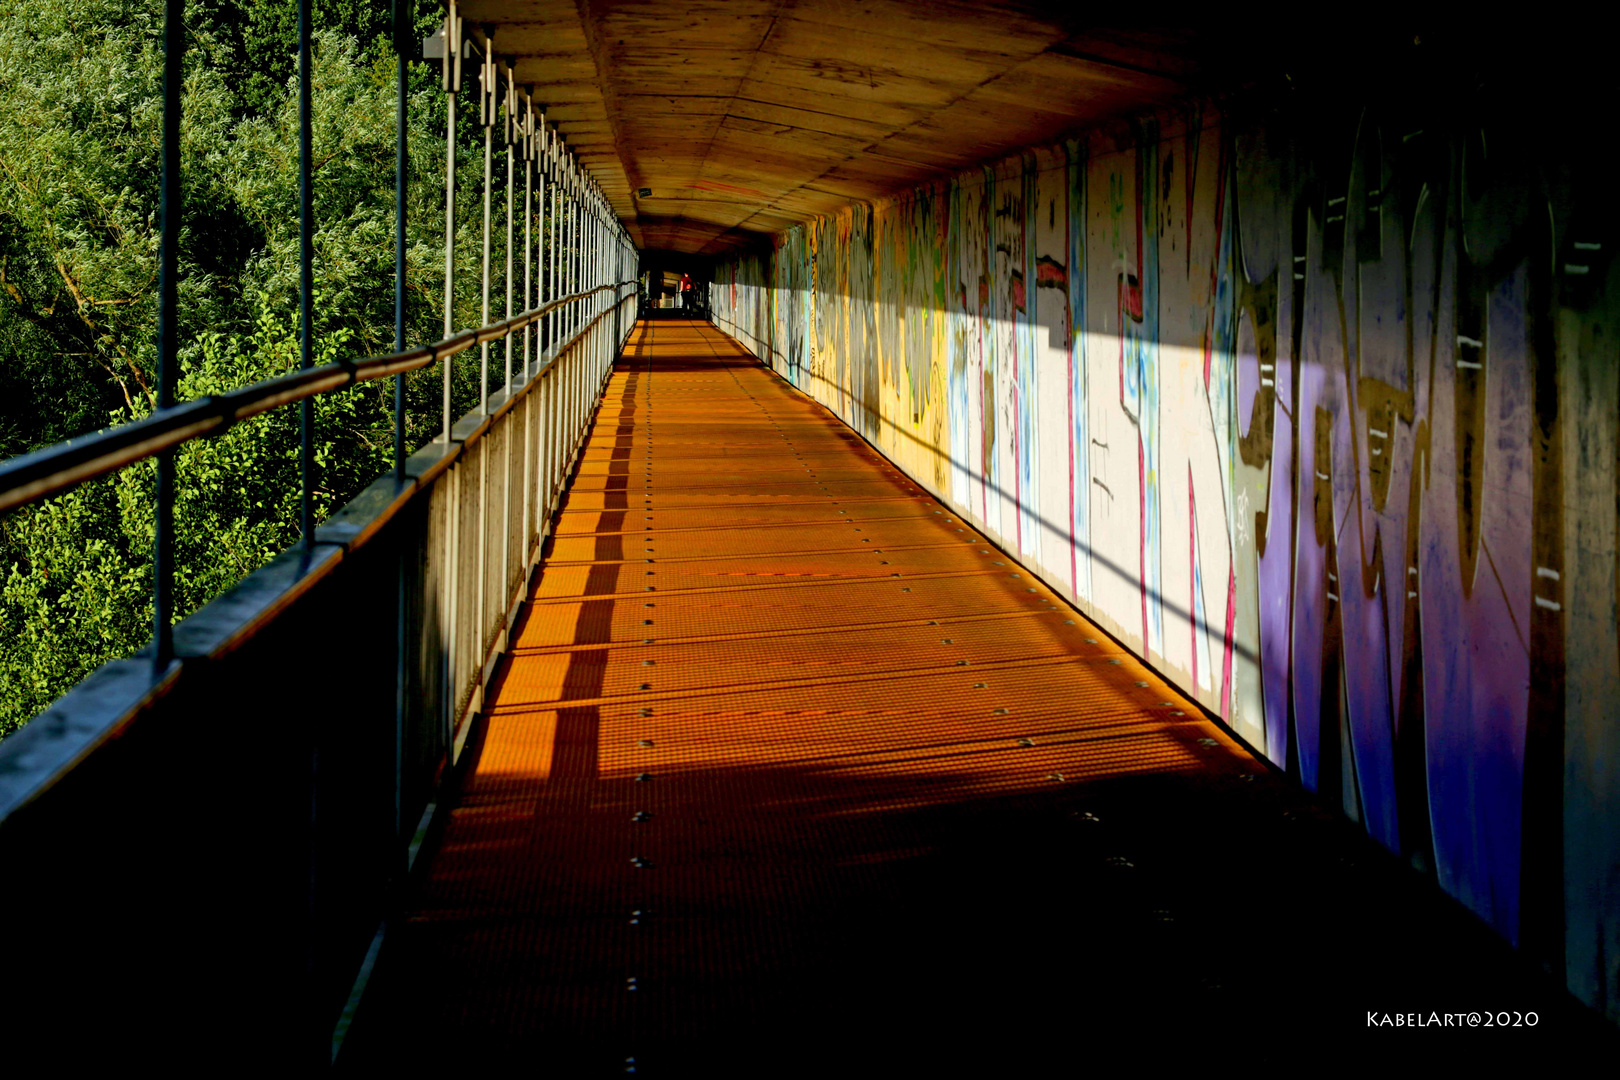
(788, 769)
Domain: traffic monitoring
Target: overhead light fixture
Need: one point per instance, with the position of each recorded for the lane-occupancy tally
(643, 192)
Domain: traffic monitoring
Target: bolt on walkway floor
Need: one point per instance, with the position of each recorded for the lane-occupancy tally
(789, 769)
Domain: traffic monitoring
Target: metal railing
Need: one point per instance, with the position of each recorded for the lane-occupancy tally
(31, 477)
(286, 764)
(234, 809)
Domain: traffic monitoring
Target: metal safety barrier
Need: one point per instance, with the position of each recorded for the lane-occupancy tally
(31, 477)
(239, 819)
(233, 812)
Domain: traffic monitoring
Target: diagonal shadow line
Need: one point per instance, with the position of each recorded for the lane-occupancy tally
(888, 548)
(852, 500)
(919, 755)
(728, 587)
(822, 679)
(1104, 731)
(999, 614)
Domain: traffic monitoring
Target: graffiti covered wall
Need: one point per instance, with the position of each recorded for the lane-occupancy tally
(1321, 420)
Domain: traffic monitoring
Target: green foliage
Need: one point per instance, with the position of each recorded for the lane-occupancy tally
(80, 116)
(80, 121)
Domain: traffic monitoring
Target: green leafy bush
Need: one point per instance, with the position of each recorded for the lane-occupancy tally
(80, 121)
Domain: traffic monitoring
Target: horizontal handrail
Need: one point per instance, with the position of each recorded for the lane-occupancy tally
(35, 476)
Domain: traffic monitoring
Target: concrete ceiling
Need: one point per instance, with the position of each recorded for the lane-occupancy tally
(744, 117)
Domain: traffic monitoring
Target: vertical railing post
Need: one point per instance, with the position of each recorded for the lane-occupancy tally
(577, 306)
(542, 274)
(511, 418)
(486, 104)
(541, 233)
(569, 285)
(564, 250)
(486, 101)
(600, 305)
(560, 234)
(452, 89)
(306, 282)
(614, 276)
(306, 457)
(528, 230)
(447, 577)
(169, 201)
(511, 139)
(402, 49)
(575, 361)
(595, 260)
(544, 243)
(589, 365)
(598, 255)
(554, 241)
(590, 305)
(568, 313)
(576, 248)
(540, 230)
(530, 445)
(595, 301)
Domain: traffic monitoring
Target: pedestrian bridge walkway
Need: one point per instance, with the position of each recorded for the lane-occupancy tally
(647, 716)
(786, 761)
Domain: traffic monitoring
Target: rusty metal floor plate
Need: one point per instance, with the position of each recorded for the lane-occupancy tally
(788, 764)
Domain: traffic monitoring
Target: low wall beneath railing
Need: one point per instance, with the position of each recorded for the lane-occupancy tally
(196, 861)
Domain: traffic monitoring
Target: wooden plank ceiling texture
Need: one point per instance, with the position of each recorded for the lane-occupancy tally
(744, 117)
